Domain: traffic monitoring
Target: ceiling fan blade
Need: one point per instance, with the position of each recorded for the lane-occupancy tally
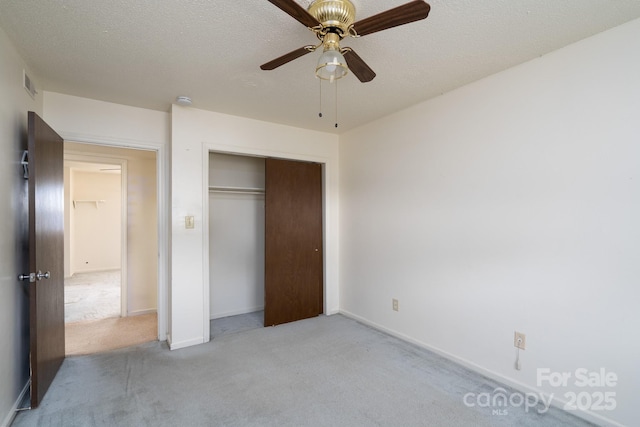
(296, 11)
(409, 12)
(358, 67)
(287, 57)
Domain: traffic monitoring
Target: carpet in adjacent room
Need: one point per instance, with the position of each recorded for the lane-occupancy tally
(92, 296)
(98, 336)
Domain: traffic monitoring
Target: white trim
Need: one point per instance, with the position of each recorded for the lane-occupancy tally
(124, 248)
(142, 312)
(330, 258)
(164, 242)
(14, 409)
(163, 179)
(558, 403)
(185, 343)
(97, 270)
(206, 284)
(113, 142)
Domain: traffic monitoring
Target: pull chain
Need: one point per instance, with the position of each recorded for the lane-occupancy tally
(320, 113)
(336, 103)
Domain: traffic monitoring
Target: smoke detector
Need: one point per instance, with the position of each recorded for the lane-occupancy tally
(183, 100)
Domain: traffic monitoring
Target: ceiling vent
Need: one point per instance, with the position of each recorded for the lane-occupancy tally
(29, 85)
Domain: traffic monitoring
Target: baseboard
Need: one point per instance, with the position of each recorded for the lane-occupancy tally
(97, 270)
(592, 417)
(235, 312)
(185, 343)
(13, 412)
(141, 312)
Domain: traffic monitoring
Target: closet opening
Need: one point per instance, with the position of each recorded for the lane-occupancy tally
(265, 237)
(236, 242)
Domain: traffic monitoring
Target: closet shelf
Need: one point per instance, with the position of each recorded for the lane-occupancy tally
(236, 190)
(88, 201)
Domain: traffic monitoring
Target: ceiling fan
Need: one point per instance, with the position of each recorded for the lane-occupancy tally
(333, 20)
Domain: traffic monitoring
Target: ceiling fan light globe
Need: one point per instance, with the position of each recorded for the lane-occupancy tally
(331, 66)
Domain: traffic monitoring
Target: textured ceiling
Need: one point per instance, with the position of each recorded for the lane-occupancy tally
(146, 52)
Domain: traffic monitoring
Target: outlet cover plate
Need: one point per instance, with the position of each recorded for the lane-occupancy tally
(519, 340)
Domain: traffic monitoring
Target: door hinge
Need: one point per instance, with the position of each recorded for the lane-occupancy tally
(25, 163)
(31, 277)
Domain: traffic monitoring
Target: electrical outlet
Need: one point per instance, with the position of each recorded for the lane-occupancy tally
(519, 340)
(394, 304)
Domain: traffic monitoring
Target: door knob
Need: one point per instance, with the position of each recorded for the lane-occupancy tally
(40, 275)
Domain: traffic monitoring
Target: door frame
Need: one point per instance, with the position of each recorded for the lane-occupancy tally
(208, 147)
(124, 197)
(164, 209)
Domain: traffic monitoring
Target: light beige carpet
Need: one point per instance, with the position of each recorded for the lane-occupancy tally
(97, 336)
(92, 296)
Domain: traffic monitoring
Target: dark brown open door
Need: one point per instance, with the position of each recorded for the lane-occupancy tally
(46, 255)
(293, 241)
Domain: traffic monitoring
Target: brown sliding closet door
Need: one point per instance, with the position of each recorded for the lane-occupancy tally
(293, 241)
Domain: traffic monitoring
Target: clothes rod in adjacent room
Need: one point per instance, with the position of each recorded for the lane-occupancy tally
(88, 201)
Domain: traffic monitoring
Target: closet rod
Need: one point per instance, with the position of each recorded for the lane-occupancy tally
(236, 190)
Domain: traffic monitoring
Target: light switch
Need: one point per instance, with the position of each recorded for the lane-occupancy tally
(189, 222)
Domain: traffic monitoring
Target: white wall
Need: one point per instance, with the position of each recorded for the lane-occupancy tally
(88, 120)
(142, 235)
(15, 102)
(96, 226)
(195, 133)
(509, 204)
(108, 126)
(236, 236)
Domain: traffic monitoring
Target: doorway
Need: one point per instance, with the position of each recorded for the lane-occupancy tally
(93, 240)
(111, 244)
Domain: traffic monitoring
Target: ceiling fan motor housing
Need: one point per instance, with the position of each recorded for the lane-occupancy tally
(338, 14)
